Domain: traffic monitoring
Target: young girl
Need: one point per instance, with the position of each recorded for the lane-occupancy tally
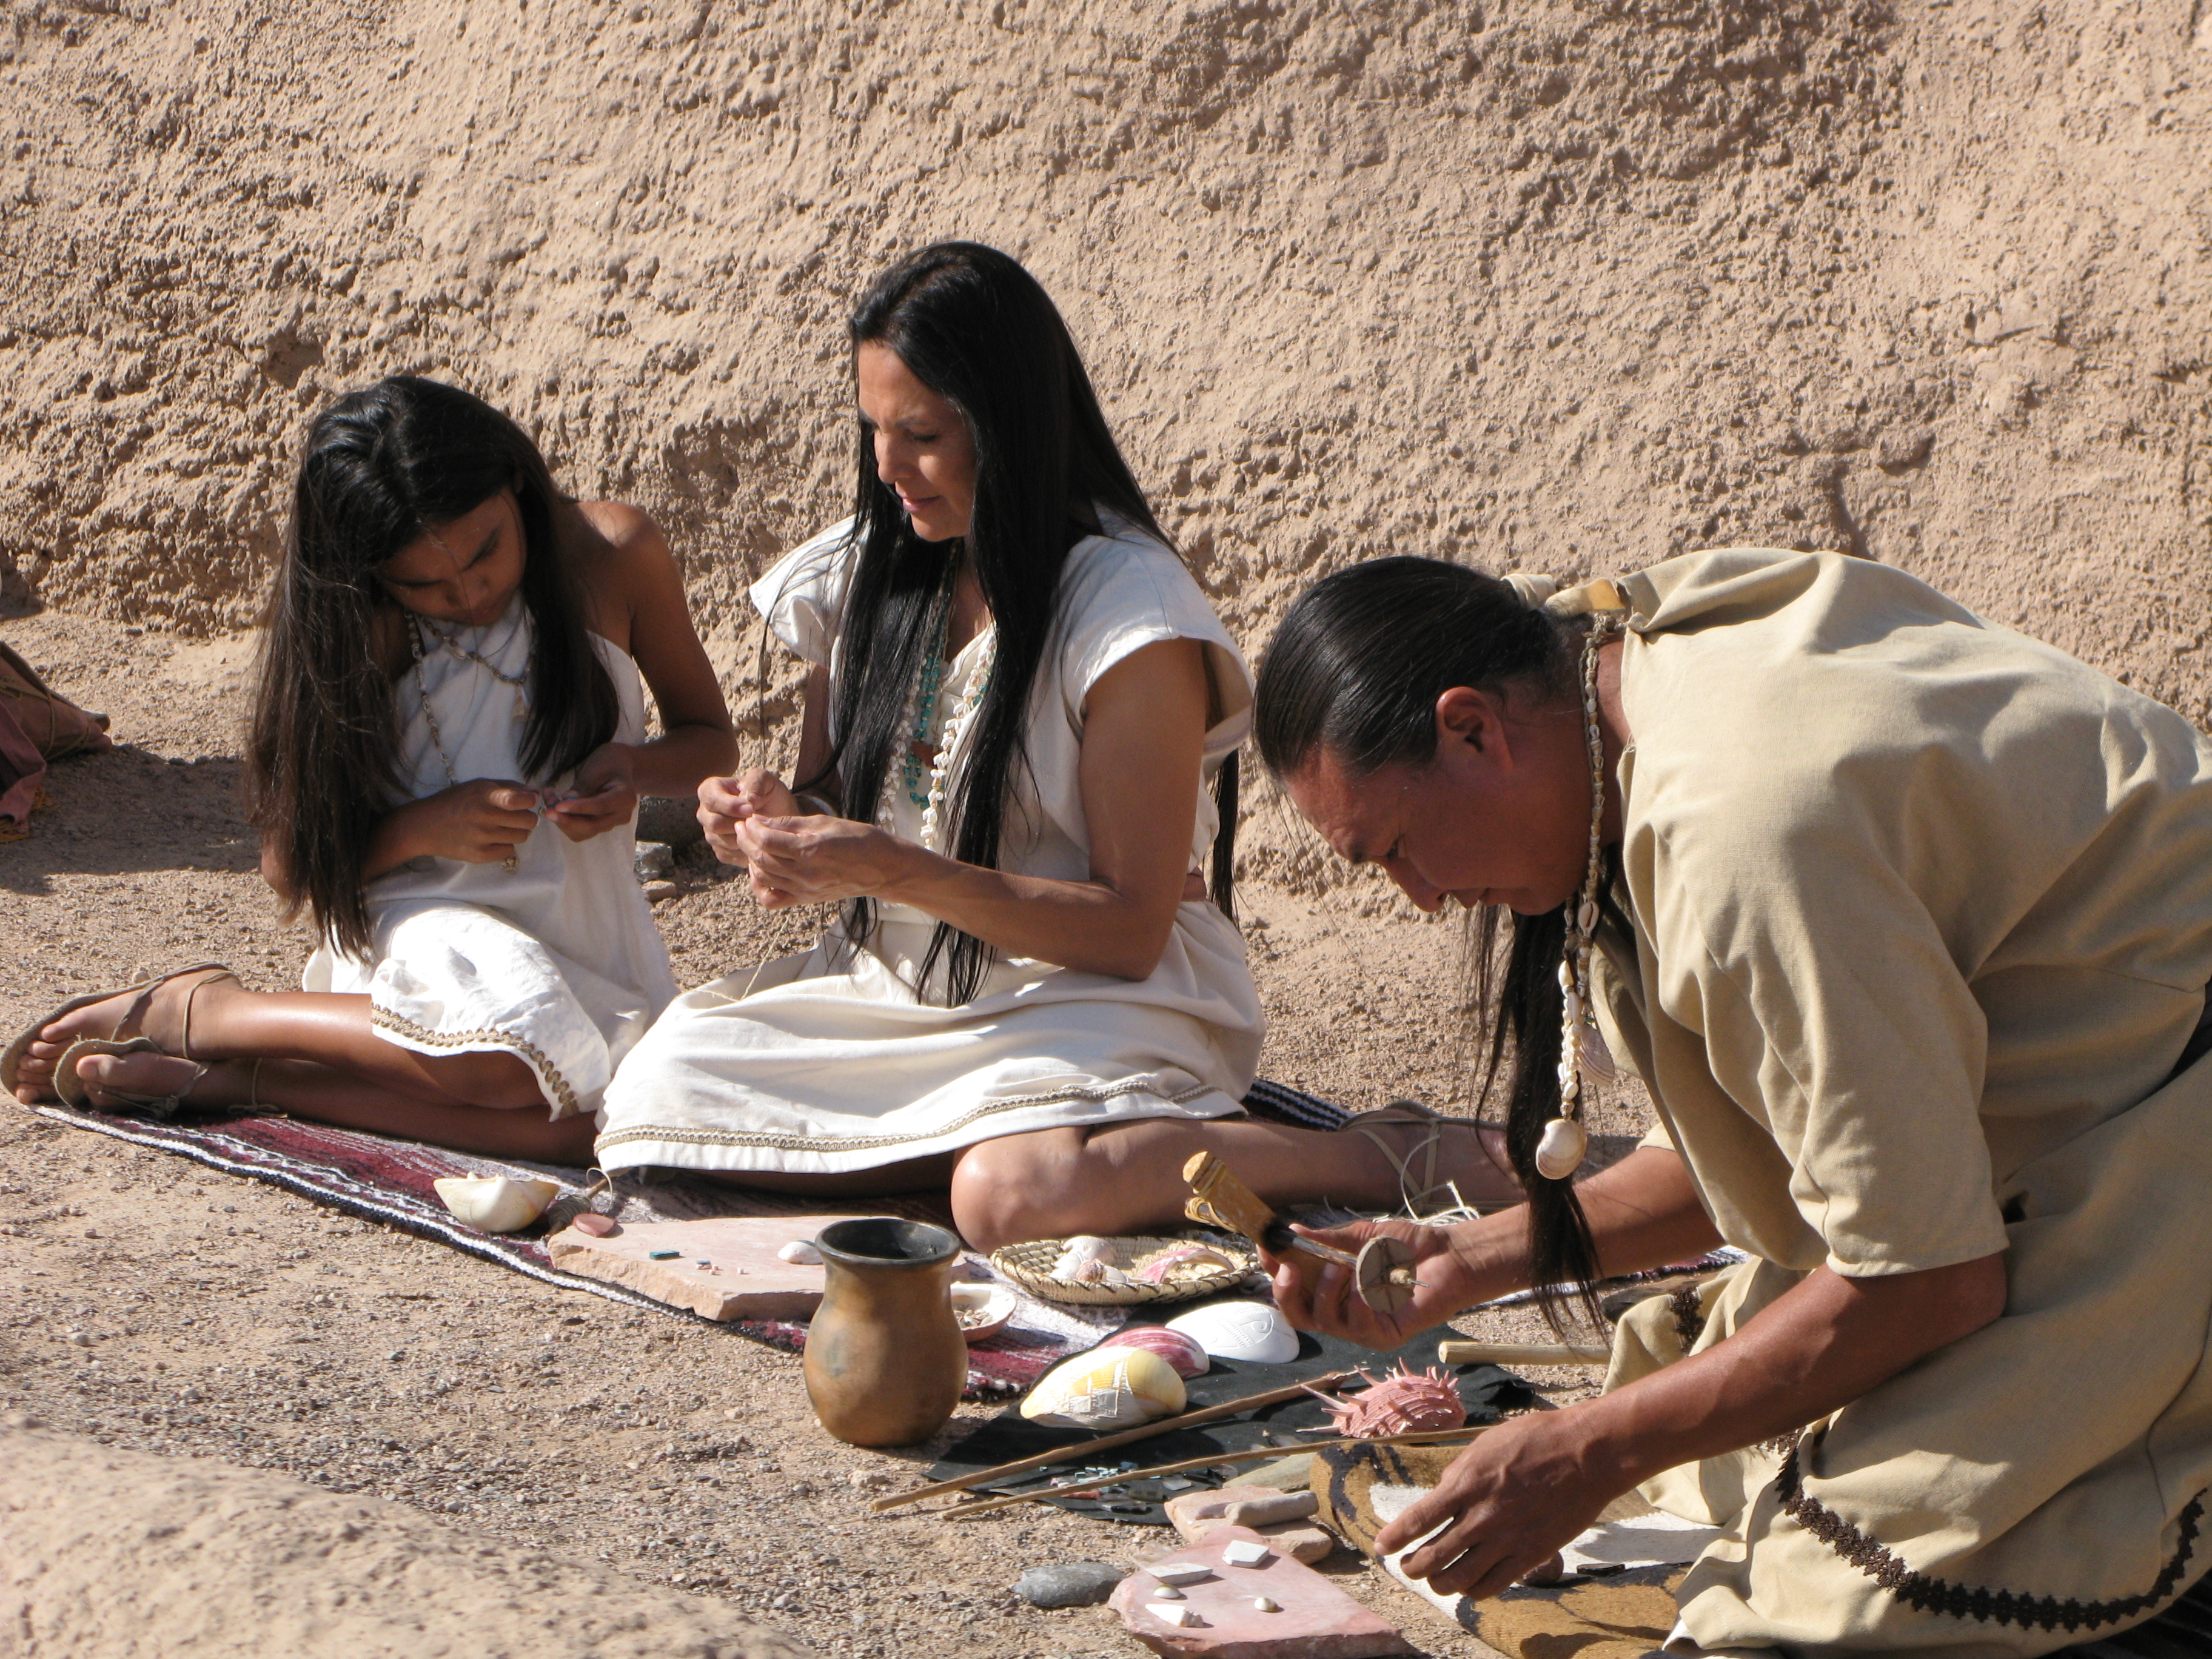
(448, 746)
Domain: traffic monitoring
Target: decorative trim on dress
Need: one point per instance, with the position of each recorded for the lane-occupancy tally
(870, 1143)
(1929, 1593)
(548, 1074)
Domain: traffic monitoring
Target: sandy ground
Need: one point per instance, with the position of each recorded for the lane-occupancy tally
(159, 1307)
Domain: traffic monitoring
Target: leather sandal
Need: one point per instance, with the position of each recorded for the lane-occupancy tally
(1425, 1194)
(73, 1090)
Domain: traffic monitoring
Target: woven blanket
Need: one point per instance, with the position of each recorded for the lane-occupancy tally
(389, 1182)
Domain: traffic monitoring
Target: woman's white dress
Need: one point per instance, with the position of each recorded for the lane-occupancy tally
(827, 1062)
(557, 962)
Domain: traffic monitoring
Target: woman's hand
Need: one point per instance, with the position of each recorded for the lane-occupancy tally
(1507, 1504)
(724, 803)
(819, 859)
(602, 795)
(481, 821)
(1320, 1296)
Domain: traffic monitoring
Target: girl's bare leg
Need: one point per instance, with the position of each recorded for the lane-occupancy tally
(330, 1096)
(1127, 1177)
(319, 1058)
(229, 1022)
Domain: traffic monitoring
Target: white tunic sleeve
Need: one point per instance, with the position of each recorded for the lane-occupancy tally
(802, 597)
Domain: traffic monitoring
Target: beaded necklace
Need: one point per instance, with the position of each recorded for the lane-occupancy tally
(511, 862)
(920, 712)
(1581, 1045)
(519, 682)
(964, 712)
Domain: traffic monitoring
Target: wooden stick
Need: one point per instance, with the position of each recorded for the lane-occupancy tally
(1142, 1431)
(1425, 1437)
(1520, 1353)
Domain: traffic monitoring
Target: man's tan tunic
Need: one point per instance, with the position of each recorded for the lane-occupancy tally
(1923, 920)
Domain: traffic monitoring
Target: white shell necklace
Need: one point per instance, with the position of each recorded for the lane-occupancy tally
(963, 715)
(1581, 1045)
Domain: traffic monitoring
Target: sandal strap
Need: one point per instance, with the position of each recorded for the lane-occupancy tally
(1402, 1113)
(184, 1041)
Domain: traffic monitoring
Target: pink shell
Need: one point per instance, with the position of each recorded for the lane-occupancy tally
(1188, 1359)
(1404, 1402)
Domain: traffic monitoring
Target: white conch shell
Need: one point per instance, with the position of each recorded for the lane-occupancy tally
(1086, 1251)
(1560, 1153)
(497, 1204)
(1106, 1388)
(800, 1253)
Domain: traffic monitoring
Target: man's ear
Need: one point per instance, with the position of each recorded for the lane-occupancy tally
(1469, 719)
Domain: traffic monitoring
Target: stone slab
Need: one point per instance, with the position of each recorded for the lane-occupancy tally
(1303, 1541)
(1315, 1620)
(743, 1279)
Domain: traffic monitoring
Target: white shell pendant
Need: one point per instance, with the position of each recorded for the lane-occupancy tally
(1596, 1058)
(1560, 1153)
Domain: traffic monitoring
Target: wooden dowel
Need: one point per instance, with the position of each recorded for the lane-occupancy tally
(1425, 1437)
(1520, 1353)
(1126, 1436)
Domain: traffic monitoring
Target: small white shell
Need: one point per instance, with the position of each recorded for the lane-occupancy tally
(496, 1204)
(1254, 1331)
(1173, 1613)
(799, 1254)
(1084, 1252)
(1168, 1593)
(1267, 1604)
(1560, 1153)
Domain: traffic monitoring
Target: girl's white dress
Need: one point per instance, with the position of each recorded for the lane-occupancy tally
(557, 962)
(827, 1061)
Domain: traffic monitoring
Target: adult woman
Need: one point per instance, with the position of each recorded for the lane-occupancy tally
(1017, 693)
(1906, 922)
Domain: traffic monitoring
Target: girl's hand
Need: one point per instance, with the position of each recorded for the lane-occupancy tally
(602, 797)
(480, 822)
(1507, 1504)
(1320, 1296)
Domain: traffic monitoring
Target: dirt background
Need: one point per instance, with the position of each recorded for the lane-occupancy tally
(1555, 285)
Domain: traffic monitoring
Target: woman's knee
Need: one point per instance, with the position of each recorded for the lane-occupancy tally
(1016, 1187)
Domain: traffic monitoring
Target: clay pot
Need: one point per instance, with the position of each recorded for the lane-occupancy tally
(885, 1360)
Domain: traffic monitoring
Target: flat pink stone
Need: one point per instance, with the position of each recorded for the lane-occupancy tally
(1305, 1541)
(1317, 1621)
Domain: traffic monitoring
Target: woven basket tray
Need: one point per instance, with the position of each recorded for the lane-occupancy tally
(1029, 1266)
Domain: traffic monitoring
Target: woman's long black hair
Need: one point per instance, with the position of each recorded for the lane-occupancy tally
(382, 467)
(1355, 669)
(979, 332)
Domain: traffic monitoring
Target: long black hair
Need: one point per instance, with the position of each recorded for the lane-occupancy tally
(980, 331)
(1355, 669)
(382, 467)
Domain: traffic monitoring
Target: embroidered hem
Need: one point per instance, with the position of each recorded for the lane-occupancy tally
(563, 1097)
(1929, 1593)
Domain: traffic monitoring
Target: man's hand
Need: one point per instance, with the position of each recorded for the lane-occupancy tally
(602, 797)
(1320, 1296)
(1511, 1500)
(480, 822)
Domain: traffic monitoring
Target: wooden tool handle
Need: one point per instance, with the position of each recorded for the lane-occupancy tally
(1519, 1353)
(1218, 1199)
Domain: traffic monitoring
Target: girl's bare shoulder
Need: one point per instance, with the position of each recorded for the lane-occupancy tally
(622, 557)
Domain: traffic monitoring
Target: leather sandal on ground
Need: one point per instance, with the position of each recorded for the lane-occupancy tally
(1423, 1194)
(71, 1088)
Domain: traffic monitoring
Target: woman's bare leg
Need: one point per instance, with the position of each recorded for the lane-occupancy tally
(1127, 1177)
(918, 1175)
